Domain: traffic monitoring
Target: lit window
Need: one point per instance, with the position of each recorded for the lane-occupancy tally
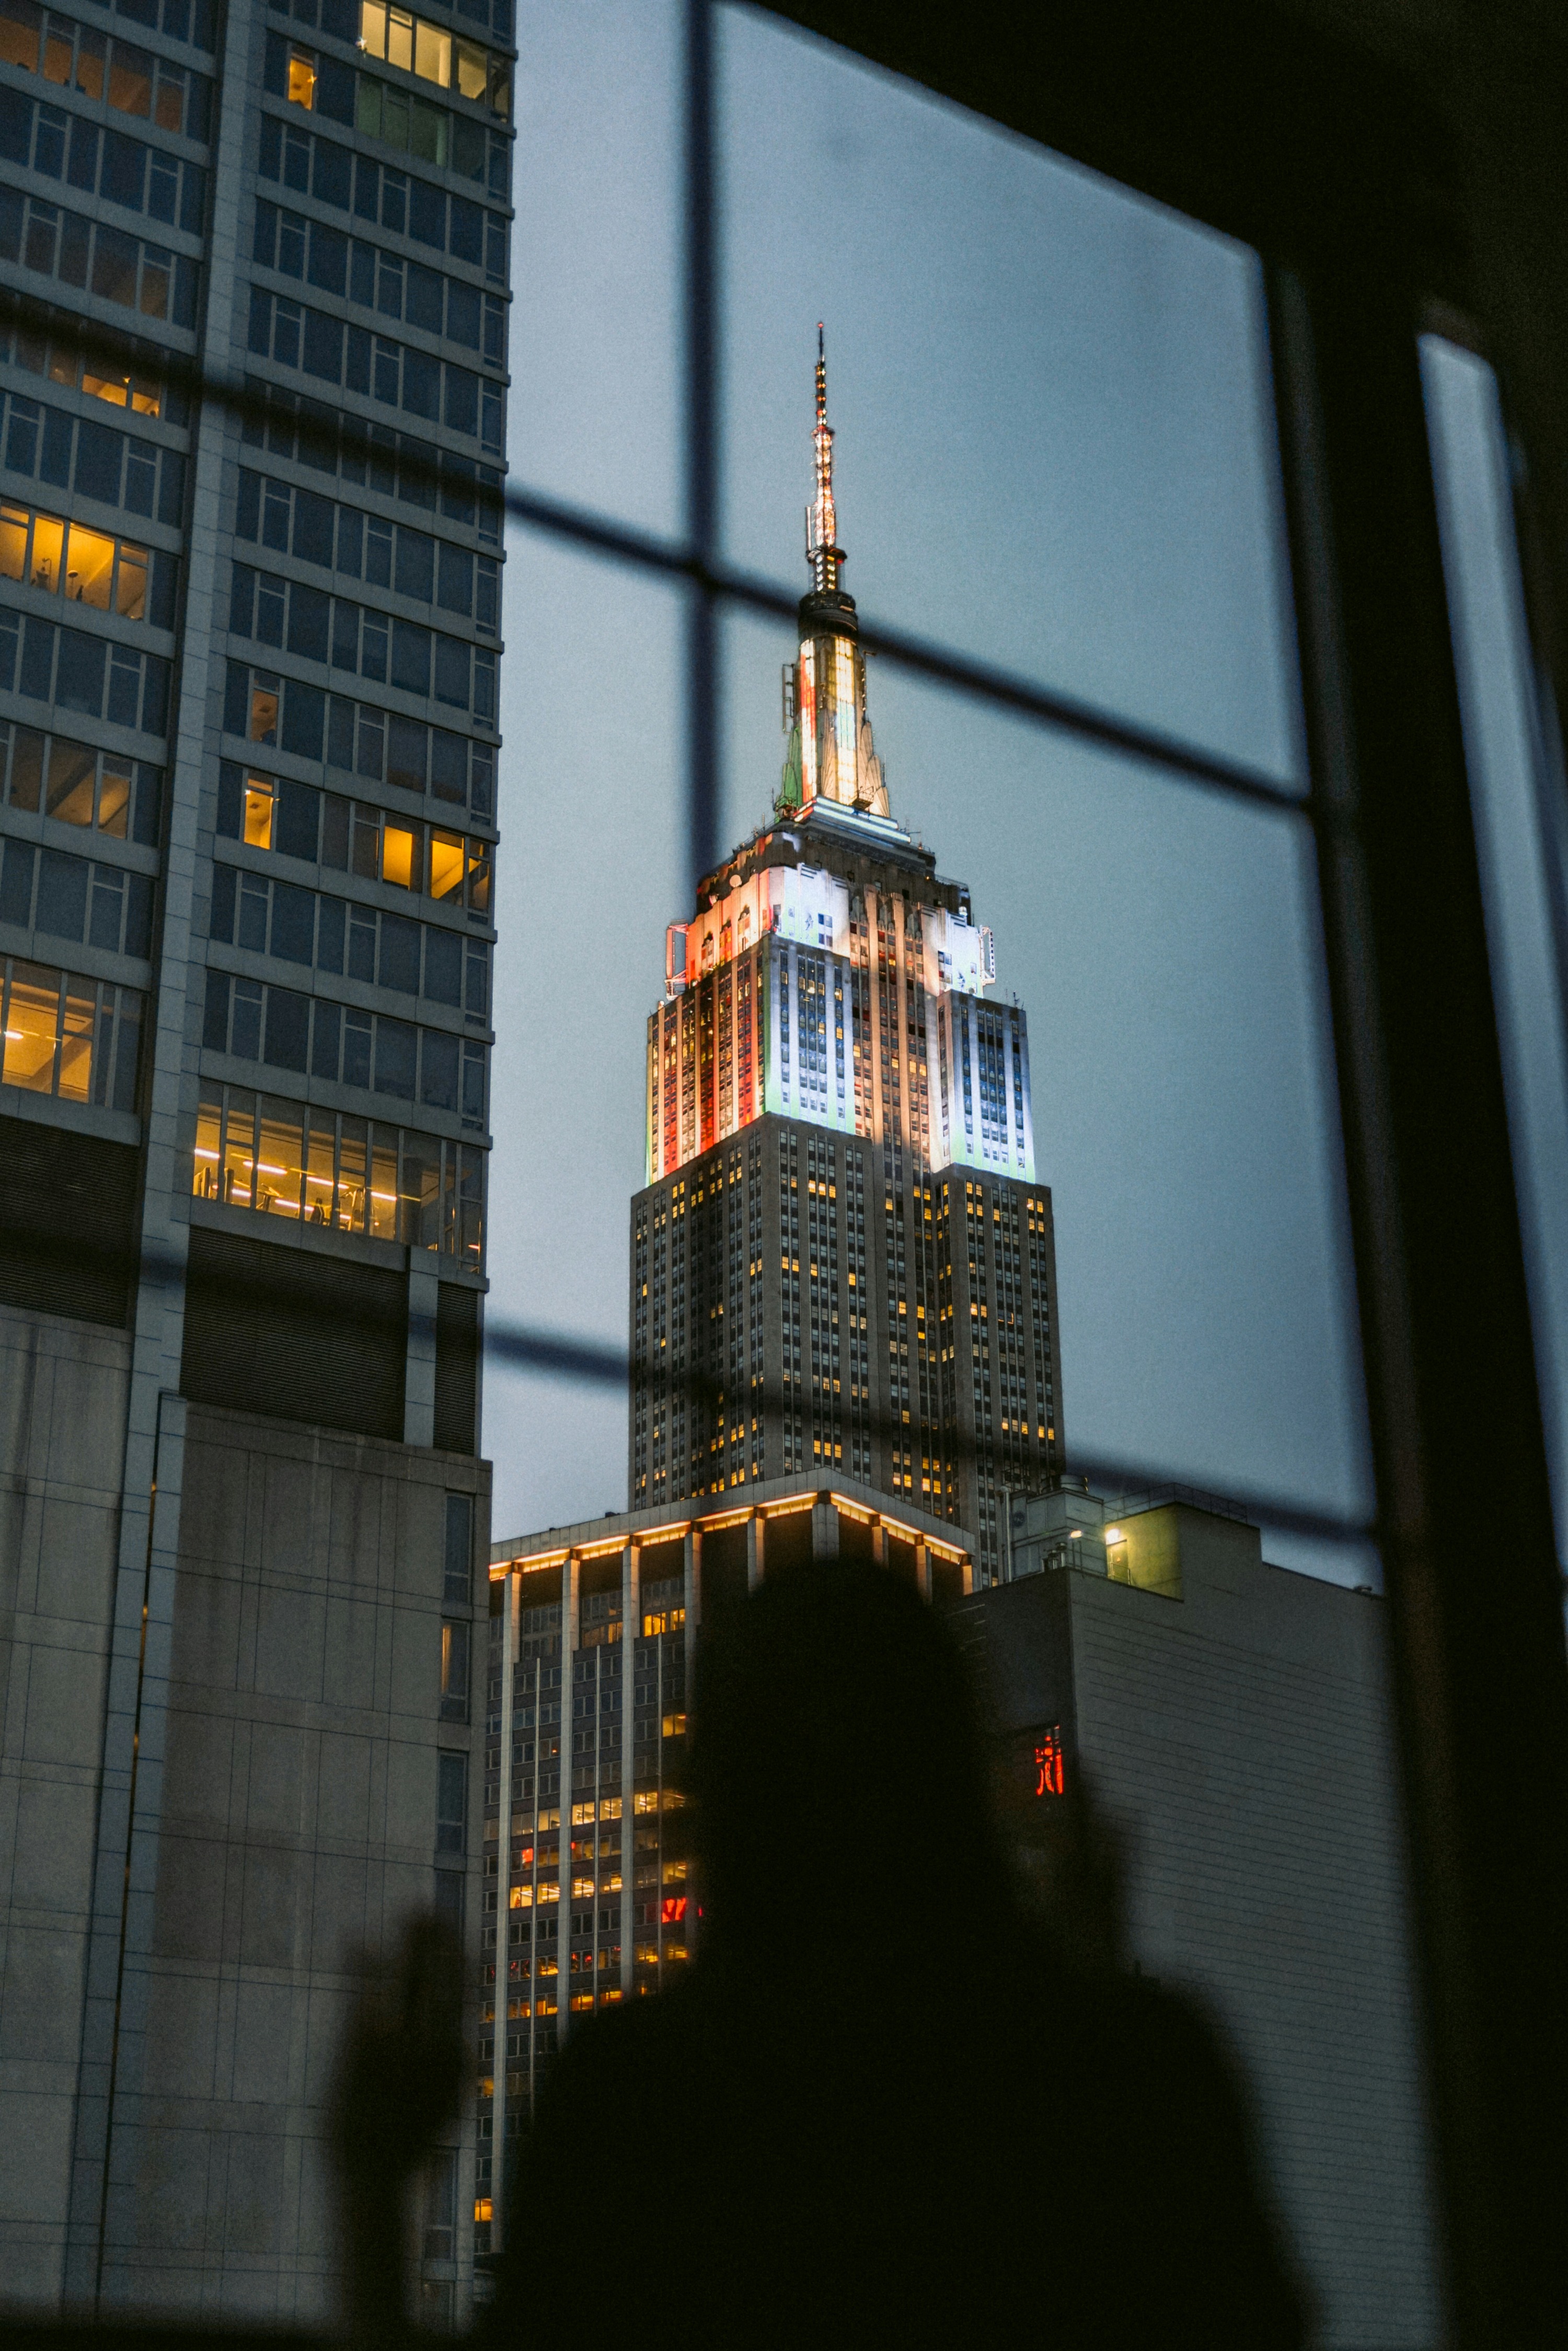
(301, 79)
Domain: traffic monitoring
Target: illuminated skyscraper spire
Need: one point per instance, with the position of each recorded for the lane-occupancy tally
(831, 757)
(824, 552)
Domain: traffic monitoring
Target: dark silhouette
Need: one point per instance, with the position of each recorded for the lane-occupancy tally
(897, 2100)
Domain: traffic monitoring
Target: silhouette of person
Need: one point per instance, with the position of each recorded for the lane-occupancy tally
(885, 2105)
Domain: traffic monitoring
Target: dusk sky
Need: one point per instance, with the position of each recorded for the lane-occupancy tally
(1054, 452)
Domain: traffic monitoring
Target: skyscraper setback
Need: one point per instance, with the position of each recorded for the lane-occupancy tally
(248, 657)
(841, 1259)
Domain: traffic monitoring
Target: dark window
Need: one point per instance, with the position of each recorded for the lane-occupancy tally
(399, 954)
(287, 1029)
(451, 1796)
(293, 923)
(458, 1573)
(395, 1044)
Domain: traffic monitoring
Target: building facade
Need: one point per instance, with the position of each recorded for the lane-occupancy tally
(254, 292)
(588, 1898)
(1230, 1722)
(841, 1261)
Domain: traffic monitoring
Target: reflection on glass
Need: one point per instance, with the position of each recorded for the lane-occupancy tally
(263, 714)
(472, 69)
(32, 1023)
(57, 55)
(76, 1047)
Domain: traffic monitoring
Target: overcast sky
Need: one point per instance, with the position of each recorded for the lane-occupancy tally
(1051, 402)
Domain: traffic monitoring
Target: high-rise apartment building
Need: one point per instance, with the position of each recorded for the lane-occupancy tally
(253, 340)
(841, 1259)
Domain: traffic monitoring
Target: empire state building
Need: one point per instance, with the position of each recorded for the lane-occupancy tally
(841, 1259)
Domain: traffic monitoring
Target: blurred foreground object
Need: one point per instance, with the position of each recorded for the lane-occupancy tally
(399, 2084)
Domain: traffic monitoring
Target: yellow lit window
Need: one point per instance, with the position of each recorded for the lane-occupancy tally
(260, 807)
(544, 2008)
(580, 2000)
(301, 79)
(446, 864)
(522, 1897)
(549, 1890)
(610, 1882)
(399, 38)
(483, 2208)
(487, 2086)
(400, 859)
(48, 544)
(675, 1725)
(239, 1142)
(113, 800)
(373, 27)
(205, 1167)
(472, 70)
(674, 1873)
(579, 1813)
(32, 1023)
(146, 398)
(647, 1955)
(383, 1184)
(432, 53)
(582, 1889)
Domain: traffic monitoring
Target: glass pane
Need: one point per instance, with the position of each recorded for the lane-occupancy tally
(595, 384)
(1522, 836)
(1052, 441)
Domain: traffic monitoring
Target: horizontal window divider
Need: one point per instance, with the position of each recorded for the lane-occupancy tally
(342, 1101)
(82, 1118)
(19, 597)
(376, 322)
(359, 889)
(326, 986)
(71, 400)
(90, 962)
(80, 104)
(26, 824)
(671, 559)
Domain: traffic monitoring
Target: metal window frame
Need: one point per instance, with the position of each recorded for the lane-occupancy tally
(1374, 206)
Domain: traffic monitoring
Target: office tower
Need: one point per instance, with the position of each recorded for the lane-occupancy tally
(1231, 1722)
(589, 1899)
(841, 1259)
(249, 649)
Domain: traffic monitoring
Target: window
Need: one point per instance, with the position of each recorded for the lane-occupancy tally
(454, 1638)
(451, 1804)
(415, 45)
(72, 1038)
(458, 1563)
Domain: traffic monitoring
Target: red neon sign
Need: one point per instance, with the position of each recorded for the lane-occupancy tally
(1049, 1777)
(673, 1909)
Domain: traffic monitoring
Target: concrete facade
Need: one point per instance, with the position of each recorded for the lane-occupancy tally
(1231, 1720)
(63, 1389)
